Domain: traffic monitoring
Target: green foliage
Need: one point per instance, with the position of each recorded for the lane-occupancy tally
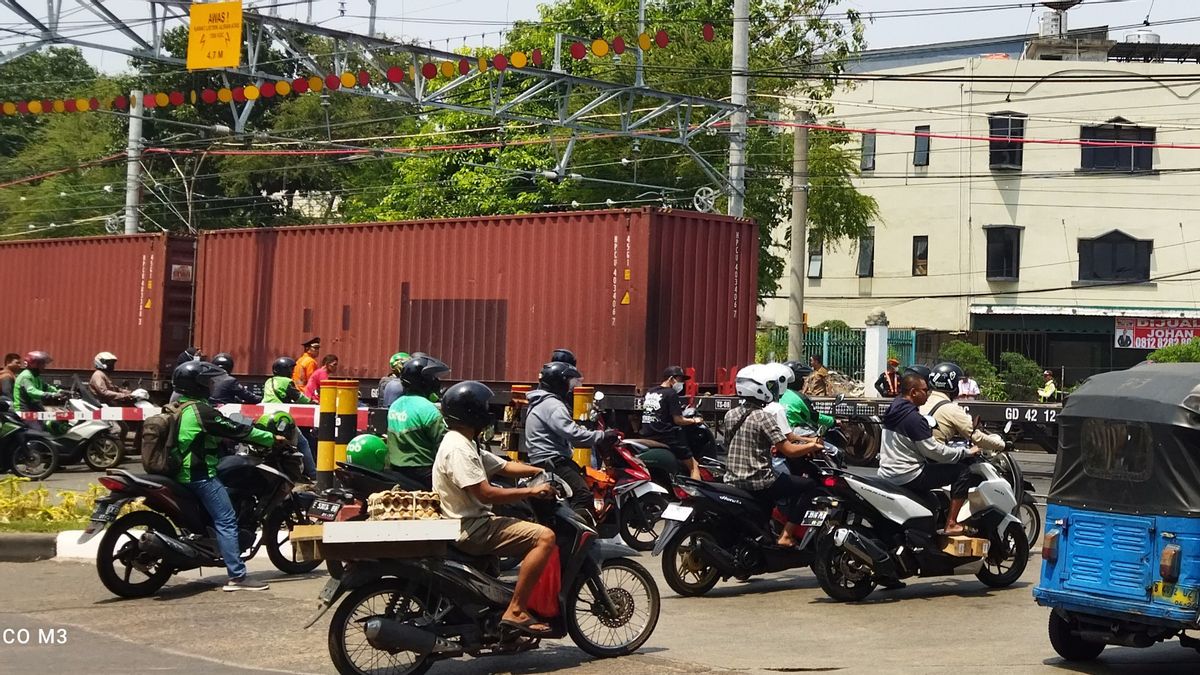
(1187, 352)
(771, 344)
(831, 324)
(837, 211)
(1022, 376)
(970, 357)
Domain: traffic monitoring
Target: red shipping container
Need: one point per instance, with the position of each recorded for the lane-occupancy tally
(129, 295)
(630, 291)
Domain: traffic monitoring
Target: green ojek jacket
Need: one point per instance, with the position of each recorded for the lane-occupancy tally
(201, 430)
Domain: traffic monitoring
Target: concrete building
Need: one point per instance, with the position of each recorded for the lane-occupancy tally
(1083, 257)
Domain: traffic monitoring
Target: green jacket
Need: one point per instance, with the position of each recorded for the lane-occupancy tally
(283, 390)
(414, 431)
(201, 430)
(29, 391)
(798, 413)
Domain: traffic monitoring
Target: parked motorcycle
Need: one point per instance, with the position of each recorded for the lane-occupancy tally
(27, 452)
(403, 615)
(96, 443)
(176, 533)
(874, 531)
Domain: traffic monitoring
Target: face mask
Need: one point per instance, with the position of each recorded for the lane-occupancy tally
(678, 387)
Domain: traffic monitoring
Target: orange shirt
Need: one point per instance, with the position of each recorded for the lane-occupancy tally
(305, 365)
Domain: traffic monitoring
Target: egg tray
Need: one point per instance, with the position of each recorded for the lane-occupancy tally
(403, 505)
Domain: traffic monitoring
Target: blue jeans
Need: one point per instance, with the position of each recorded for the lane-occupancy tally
(310, 466)
(215, 498)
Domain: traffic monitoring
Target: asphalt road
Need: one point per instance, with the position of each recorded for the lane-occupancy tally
(777, 624)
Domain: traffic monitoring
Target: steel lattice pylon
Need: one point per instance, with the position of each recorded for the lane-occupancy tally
(544, 96)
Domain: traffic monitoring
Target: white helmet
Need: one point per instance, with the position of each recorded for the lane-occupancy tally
(104, 360)
(783, 373)
(757, 382)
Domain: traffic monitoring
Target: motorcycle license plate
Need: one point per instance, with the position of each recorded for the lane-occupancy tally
(815, 518)
(322, 509)
(677, 512)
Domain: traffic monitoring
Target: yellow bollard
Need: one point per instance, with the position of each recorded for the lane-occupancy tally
(514, 417)
(583, 404)
(347, 416)
(326, 434)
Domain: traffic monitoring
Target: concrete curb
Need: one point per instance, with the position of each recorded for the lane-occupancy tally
(29, 547)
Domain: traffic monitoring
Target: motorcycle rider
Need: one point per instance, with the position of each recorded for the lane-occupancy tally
(414, 424)
(200, 430)
(30, 393)
(227, 389)
(8, 376)
(101, 385)
(911, 457)
(753, 434)
(281, 389)
(663, 420)
(800, 411)
(390, 387)
(953, 422)
(460, 477)
(550, 433)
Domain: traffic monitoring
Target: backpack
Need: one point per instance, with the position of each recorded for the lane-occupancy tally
(159, 436)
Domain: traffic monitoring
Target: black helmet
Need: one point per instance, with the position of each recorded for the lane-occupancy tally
(283, 366)
(944, 378)
(419, 375)
(467, 403)
(195, 378)
(801, 371)
(224, 361)
(923, 371)
(556, 378)
(563, 355)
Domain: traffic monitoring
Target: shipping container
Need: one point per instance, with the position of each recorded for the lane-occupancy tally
(630, 291)
(129, 295)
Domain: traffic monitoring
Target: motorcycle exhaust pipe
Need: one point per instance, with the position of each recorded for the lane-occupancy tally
(171, 550)
(394, 636)
(719, 557)
(867, 551)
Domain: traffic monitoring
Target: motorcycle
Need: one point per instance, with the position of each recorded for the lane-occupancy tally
(663, 465)
(95, 443)
(403, 615)
(873, 531)
(175, 534)
(27, 452)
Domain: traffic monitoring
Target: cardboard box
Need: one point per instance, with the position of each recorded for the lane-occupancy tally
(373, 540)
(965, 547)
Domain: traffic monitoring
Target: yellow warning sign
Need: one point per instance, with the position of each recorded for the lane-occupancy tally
(215, 37)
(625, 299)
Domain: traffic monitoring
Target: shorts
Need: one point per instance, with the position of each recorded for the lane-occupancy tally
(502, 536)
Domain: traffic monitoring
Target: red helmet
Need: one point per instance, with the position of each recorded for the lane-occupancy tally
(37, 360)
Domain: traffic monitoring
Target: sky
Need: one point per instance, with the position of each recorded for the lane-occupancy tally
(451, 23)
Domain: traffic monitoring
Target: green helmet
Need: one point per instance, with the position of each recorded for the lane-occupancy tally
(279, 423)
(368, 451)
(398, 360)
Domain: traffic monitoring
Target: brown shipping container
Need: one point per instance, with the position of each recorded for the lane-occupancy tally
(630, 291)
(129, 295)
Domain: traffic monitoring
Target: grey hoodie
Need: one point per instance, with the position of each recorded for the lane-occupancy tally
(550, 431)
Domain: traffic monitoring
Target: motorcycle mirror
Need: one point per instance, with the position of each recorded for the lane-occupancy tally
(598, 396)
(1008, 426)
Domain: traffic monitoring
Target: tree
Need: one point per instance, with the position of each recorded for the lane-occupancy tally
(1021, 375)
(969, 357)
(1186, 352)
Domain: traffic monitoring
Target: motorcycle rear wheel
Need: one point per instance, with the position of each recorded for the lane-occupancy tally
(1031, 518)
(276, 531)
(121, 545)
(348, 646)
(103, 452)
(681, 562)
(35, 459)
(994, 573)
(634, 595)
(841, 575)
(638, 518)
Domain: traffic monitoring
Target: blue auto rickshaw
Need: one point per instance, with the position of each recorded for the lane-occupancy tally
(1121, 550)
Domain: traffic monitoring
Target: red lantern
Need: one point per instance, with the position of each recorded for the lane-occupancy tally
(578, 51)
(267, 89)
(239, 94)
(537, 57)
(208, 96)
(500, 62)
(176, 98)
(120, 103)
(23, 107)
(429, 70)
(364, 78)
(661, 39)
(69, 105)
(148, 101)
(93, 103)
(618, 44)
(709, 32)
(300, 85)
(333, 82)
(395, 74)
(464, 67)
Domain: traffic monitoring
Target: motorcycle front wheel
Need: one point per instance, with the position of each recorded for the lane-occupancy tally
(640, 520)
(276, 532)
(103, 452)
(1031, 518)
(614, 612)
(1005, 564)
(841, 575)
(35, 459)
(395, 599)
(124, 567)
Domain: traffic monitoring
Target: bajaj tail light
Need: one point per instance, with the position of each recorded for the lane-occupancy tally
(1050, 545)
(1168, 563)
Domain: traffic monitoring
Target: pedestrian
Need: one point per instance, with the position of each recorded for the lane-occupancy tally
(1048, 391)
(968, 388)
(818, 382)
(888, 384)
(329, 366)
(307, 363)
(8, 375)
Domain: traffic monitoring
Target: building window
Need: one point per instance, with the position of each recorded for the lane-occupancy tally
(866, 254)
(920, 258)
(1003, 253)
(816, 258)
(867, 161)
(921, 146)
(1006, 155)
(1117, 158)
(1115, 256)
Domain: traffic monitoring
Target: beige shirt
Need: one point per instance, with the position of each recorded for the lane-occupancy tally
(954, 422)
(459, 465)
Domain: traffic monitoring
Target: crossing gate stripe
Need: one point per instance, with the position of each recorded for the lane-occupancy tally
(305, 415)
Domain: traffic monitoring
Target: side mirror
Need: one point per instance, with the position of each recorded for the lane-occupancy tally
(1008, 426)
(598, 396)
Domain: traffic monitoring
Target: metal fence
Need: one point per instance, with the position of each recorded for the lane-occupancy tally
(841, 350)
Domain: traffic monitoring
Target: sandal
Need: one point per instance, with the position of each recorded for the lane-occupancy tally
(531, 626)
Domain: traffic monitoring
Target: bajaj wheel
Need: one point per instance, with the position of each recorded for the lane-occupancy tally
(1006, 560)
(1068, 644)
(103, 452)
(683, 566)
(124, 566)
(614, 612)
(396, 599)
(35, 459)
(640, 520)
(841, 574)
(276, 533)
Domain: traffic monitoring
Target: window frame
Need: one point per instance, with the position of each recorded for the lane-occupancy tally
(920, 268)
(1006, 155)
(1011, 233)
(866, 160)
(1113, 159)
(1139, 251)
(866, 254)
(921, 156)
(816, 256)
